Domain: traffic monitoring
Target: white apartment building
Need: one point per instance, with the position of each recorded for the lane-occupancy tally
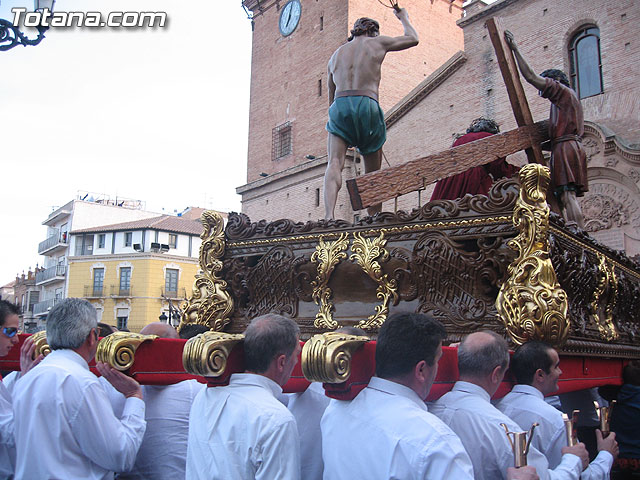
(86, 211)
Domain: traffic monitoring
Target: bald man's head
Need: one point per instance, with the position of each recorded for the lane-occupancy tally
(163, 330)
(480, 353)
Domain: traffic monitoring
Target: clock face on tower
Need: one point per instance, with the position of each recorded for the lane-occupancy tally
(289, 17)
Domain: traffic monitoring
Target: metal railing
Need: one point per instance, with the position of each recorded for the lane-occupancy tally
(55, 239)
(117, 291)
(179, 293)
(93, 291)
(51, 272)
(44, 306)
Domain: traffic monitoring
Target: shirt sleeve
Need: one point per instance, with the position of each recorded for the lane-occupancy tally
(280, 453)
(553, 451)
(447, 461)
(600, 467)
(108, 441)
(7, 437)
(569, 469)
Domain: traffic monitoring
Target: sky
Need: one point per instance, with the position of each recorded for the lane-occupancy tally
(158, 115)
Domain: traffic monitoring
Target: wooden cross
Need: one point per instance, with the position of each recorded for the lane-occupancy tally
(382, 185)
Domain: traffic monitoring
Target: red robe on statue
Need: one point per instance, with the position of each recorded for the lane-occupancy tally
(476, 180)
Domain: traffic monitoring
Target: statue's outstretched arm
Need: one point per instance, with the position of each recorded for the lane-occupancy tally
(527, 72)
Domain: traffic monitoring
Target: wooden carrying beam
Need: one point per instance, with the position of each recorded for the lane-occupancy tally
(382, 185)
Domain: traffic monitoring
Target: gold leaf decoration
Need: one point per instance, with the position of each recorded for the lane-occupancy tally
(327, 256)
(210, 304)
(604, 298)
(327, 357)
(531, 303)
(366, 252)
(206, 354)
(119, 349)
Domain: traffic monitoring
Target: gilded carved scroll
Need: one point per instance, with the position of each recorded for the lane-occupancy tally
(206, 354)
(327, 357)
(531, 303)
(327, 256)
(40, 341)
(603, 301)
(367, 252)
(210, 303)
(119, 349)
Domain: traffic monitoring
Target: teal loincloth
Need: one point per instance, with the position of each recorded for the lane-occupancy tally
(359, 121)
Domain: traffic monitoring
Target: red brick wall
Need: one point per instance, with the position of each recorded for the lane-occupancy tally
(286, 70)
(284, 82)
(440, 37)
(543, 29)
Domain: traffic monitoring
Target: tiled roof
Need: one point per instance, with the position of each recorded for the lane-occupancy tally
(165, 223)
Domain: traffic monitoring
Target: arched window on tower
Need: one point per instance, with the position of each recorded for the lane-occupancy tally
(586, 67)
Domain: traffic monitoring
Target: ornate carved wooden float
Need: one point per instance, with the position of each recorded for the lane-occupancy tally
(496, 262)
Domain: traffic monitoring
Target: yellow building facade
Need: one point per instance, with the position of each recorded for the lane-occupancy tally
(143, 298)
(135, 272)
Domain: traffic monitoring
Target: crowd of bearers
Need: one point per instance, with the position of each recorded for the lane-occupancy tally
(483, 359)
(536, 367)
(61, 421)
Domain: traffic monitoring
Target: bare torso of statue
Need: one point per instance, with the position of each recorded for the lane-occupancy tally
(355, 117)
(357, 65)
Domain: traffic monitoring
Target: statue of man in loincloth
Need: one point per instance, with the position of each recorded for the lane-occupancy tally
(566, 127)
(355, 117)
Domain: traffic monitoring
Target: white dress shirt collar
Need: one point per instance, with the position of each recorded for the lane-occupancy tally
(394, 388)
(70, 355)
(528, 390)
(257, 381)
(473, 389)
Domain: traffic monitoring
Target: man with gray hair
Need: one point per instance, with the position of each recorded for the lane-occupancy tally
(64, 424)
(243, 431)
(483, 359)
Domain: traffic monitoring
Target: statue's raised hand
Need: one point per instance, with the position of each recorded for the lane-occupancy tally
(401, 14)
(511, 41)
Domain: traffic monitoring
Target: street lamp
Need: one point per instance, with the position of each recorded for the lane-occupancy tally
(10, 34)
(174, 313)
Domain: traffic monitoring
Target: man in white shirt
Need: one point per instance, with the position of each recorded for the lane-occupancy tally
(483, 359)
(536, 367)
(243, 431)
(307, 408)
(64, 424)
(387, 431)
(163, 453)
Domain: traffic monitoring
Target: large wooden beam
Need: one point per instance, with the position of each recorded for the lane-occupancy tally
(511, 77)
(382, 185)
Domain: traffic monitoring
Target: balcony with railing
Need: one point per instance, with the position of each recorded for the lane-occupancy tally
(51, 274)
(42, 308)
(58, 241)
(175, 294)
(121, 291)
(94, 291)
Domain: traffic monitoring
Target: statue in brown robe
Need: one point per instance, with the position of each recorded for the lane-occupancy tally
(566, 127)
